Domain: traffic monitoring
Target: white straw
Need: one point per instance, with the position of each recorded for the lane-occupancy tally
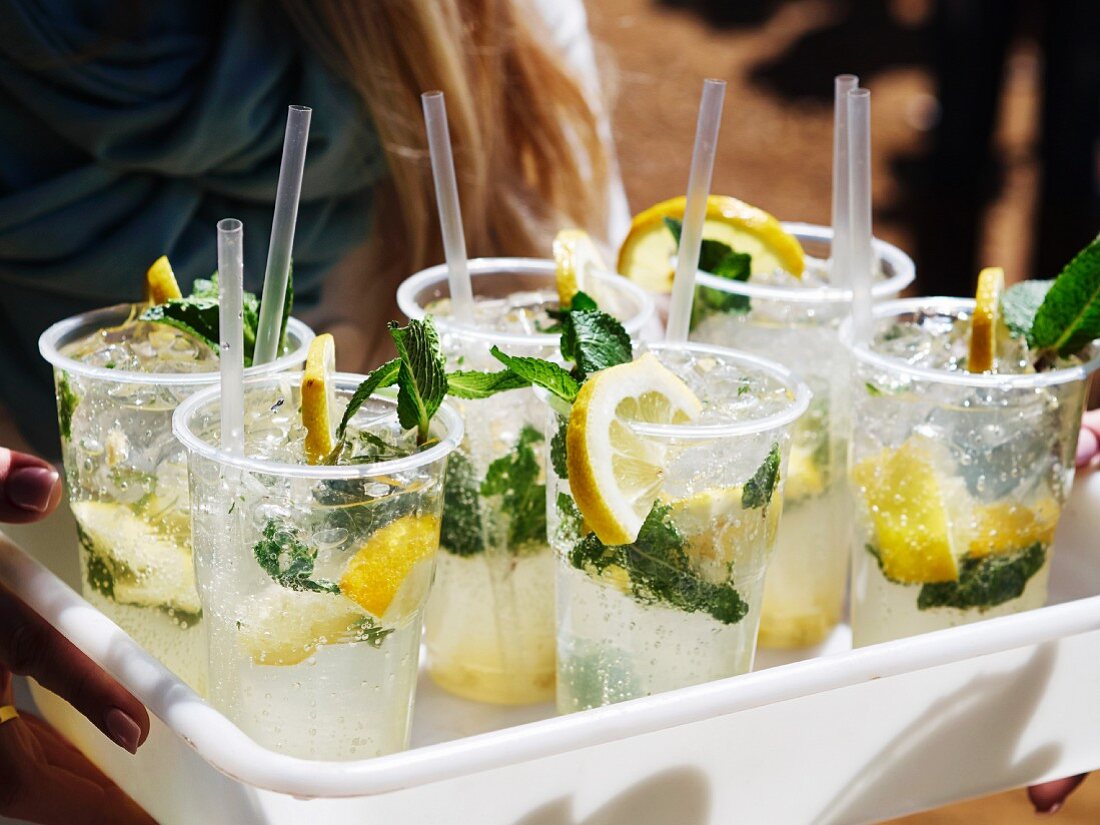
(695, 212)
(842, 84)
(282, 234)
(231, 332)
(450, 212)
(859, 162)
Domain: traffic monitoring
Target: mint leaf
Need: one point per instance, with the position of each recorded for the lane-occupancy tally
(197, 317)
(383, 376)
(422, 377)
(1069, 316)
(288, 306)
(514, 478)
(461, 532)
(368, 630)
(582, 301)
(557, 449)
(284, 557)
(660, 569)
(985, 582)
(595, 341)
(472, 384)
(676, 227)
(541, 373)
(67, 401)
(758, 490)
(1020, 303)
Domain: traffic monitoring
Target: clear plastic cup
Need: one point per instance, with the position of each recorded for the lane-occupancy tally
(958, 479)
(313, 578)
(490, 622)
(629, 625)
(127, 480)
(797, 324)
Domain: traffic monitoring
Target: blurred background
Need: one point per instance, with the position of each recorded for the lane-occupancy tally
(986, 128)
(985, 116)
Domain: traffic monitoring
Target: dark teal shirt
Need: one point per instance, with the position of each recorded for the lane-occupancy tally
(127, 130)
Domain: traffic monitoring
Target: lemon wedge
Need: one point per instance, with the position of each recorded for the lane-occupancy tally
(615, 474)
(1006, 527)
(986, 320)
(907, 503)
(374, 576)
(575, 255)
(284, 627)
(160, 282)
(319, 398)
(647, 255)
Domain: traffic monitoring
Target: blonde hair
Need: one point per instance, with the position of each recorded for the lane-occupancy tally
(528, 153)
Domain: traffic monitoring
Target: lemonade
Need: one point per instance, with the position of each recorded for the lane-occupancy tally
(490, 619)
(795, 321)
(962, 457)
(666, 483)
(118, 380)
(313, 571)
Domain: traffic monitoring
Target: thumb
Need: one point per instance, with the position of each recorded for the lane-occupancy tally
(30, 488)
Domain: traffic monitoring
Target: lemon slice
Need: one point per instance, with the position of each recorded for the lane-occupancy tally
(319, 398)
(160, 282)
(147, 565)
(907, 502)
(647, 255)
(374, 576)
(575, 255)
(615, 475)
(1005, 527)
(985, 320)
(284, 627)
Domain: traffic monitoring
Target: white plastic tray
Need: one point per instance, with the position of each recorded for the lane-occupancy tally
(846, 736)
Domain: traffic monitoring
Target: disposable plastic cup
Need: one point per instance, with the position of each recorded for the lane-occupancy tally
(313, 578)
(127, 483)
(490, 622)
(958, 479)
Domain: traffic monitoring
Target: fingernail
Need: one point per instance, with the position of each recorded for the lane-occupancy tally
(123, 730)
(31, 488)
(1053, 809)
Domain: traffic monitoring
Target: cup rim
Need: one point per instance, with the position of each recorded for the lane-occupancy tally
(406, 301)
(181, 428)
(863, 352)
(49, 340)
(795, 386)
(902, 265)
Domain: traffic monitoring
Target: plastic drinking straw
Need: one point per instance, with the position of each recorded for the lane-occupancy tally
(450, 212)
(282, 234)
(859, 169)
(842, 84)
(695, 212)
(231, 332)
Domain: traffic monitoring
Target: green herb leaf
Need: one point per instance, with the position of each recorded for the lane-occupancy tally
(985, 582)
(284, 557)
(557, 449)
(473, 384)
(1069, 316)
(422, 377)
(197, 317)
(461, 531)
(368, 630)
(515, 479)
(67, 401)
(1020, 303)
(676, 227)
(595, 341)
(383, 376)
(660, 570)
(758, 490)
(288, 307)
(541, 373)
(582, 301)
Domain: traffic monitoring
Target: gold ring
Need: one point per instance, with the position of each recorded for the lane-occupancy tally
(7, 713)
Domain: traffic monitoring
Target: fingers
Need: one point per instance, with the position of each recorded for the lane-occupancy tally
(1049, 797)
(31, 647)
(45, 780)
(30, 488)
(1087, 446)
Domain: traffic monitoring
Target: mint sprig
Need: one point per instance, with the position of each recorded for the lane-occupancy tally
(383, 376)
(540, 373)
(1068, 319)
(722, 261)
(472, 384)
